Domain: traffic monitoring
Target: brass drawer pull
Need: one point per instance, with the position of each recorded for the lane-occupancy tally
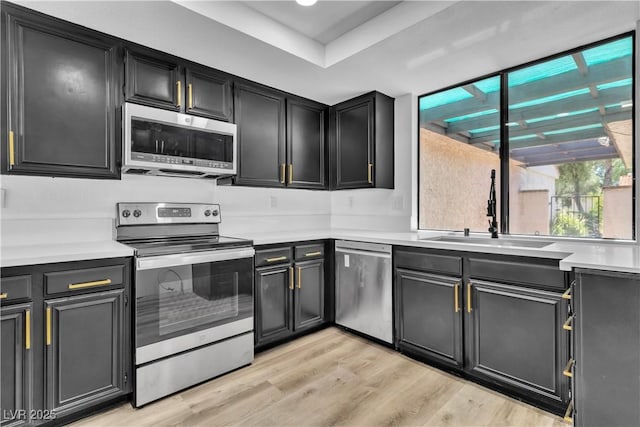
(567, 324)
(190, 90)
(370, 173)
(469, 308)
(313, 253)
(90, 284)
(291, 274)
(568, 415)
(4, 295)
(456, 297)
(282, 173)
(179, 90)
(12, 150)
(567, 369)
(48, 325)
(290, 173)
(278, 258)
(299, 277)
(567, 294)
(27, 327)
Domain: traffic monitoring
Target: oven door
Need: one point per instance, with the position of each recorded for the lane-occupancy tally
(183, 301)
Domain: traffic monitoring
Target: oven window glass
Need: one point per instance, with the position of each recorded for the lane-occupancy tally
(163, 139)
(178, 300)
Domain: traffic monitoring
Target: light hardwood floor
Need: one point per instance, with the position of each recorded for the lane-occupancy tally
(331, 378)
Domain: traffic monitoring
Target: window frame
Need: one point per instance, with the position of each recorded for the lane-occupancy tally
(503, 207)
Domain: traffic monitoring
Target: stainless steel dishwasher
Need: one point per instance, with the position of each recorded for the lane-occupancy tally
(363, 288)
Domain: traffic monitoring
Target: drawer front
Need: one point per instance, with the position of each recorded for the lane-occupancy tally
(411, 260)
(312, 251)
(15, 288)
(517, 272)
(97, 279)
(274, 256)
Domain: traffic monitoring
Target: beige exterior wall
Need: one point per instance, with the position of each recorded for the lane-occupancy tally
(530, 213)
(616, 212)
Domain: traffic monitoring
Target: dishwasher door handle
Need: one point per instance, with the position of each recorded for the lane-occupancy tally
(364, 253)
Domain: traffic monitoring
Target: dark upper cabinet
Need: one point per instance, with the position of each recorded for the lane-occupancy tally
(362, 153)
(60, 86)
(85, 337)
(429, 316)
(153, 80)
(15, 364)
(309, 294)
(306, 148)
(273, 302)
(260, 116)
(515, 337)
(164, 81)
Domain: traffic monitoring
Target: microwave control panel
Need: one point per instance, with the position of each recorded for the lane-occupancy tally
(173, 160)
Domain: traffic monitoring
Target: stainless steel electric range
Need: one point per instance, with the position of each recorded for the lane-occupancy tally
(193, 296)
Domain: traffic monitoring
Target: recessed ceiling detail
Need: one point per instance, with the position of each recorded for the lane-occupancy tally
(325, 34)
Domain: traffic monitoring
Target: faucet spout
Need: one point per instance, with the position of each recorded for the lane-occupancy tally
(491, 207)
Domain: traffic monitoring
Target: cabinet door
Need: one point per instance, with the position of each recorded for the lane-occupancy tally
(354, 122)
(85, 350)
(309, 294)
(261, 144)
(607, 337)
(209, 94)
(15, 364)
(152, 81)
(273, 316)
(61, 87)
(305, 145)
(515, 338)
(429, 316)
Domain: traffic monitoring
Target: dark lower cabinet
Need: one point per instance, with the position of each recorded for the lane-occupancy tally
(60, 85)
(273, 302)
(309, 294)
(606, 333)
(15, 364)
(515, 338)
(85, 348)
(429, 316)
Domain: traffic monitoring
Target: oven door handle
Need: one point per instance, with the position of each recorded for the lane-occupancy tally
(172, 260)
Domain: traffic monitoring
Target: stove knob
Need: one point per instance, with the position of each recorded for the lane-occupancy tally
(207, 212)
(126, 213)
(137, 213)
(215, 212)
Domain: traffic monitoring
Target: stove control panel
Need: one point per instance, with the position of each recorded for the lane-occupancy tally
(167, 213)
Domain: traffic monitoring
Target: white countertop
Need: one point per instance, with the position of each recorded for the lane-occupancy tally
(590, 255)
(74, 251)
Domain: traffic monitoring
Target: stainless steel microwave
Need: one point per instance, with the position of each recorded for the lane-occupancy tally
(161, 142)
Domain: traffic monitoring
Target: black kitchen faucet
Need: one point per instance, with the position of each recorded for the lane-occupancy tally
(491, 207)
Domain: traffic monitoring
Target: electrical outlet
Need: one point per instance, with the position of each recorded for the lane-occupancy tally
(273, 202)
(397, 203)
(3, 198)
(350, 202)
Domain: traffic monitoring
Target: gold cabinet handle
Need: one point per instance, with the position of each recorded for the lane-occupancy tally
(179, 90)
(27, 327)
(567, 325)
(370, 173)
(4, 295)
(568, 415)
(456, 296)
(313, 253)
(299, 277)
(190, 90)
(12, 150)
(90, 284)
(278, 258)
(282, 173)
(48, 325)
(567, 369)
(567, 294)
(291, 278)
(290, 173)
(469, 308)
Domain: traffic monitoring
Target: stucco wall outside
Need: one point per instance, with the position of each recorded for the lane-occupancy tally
(616, 212)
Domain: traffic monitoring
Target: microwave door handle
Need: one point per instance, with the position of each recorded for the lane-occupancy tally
(156, 146)
(173, 260)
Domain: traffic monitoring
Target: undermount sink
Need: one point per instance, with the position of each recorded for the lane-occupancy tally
(490, 241)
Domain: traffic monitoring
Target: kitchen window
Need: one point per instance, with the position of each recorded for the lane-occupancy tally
(563, 149)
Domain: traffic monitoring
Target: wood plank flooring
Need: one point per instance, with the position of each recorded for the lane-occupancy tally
(331, 378)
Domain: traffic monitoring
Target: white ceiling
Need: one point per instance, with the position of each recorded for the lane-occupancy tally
(413, 47)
